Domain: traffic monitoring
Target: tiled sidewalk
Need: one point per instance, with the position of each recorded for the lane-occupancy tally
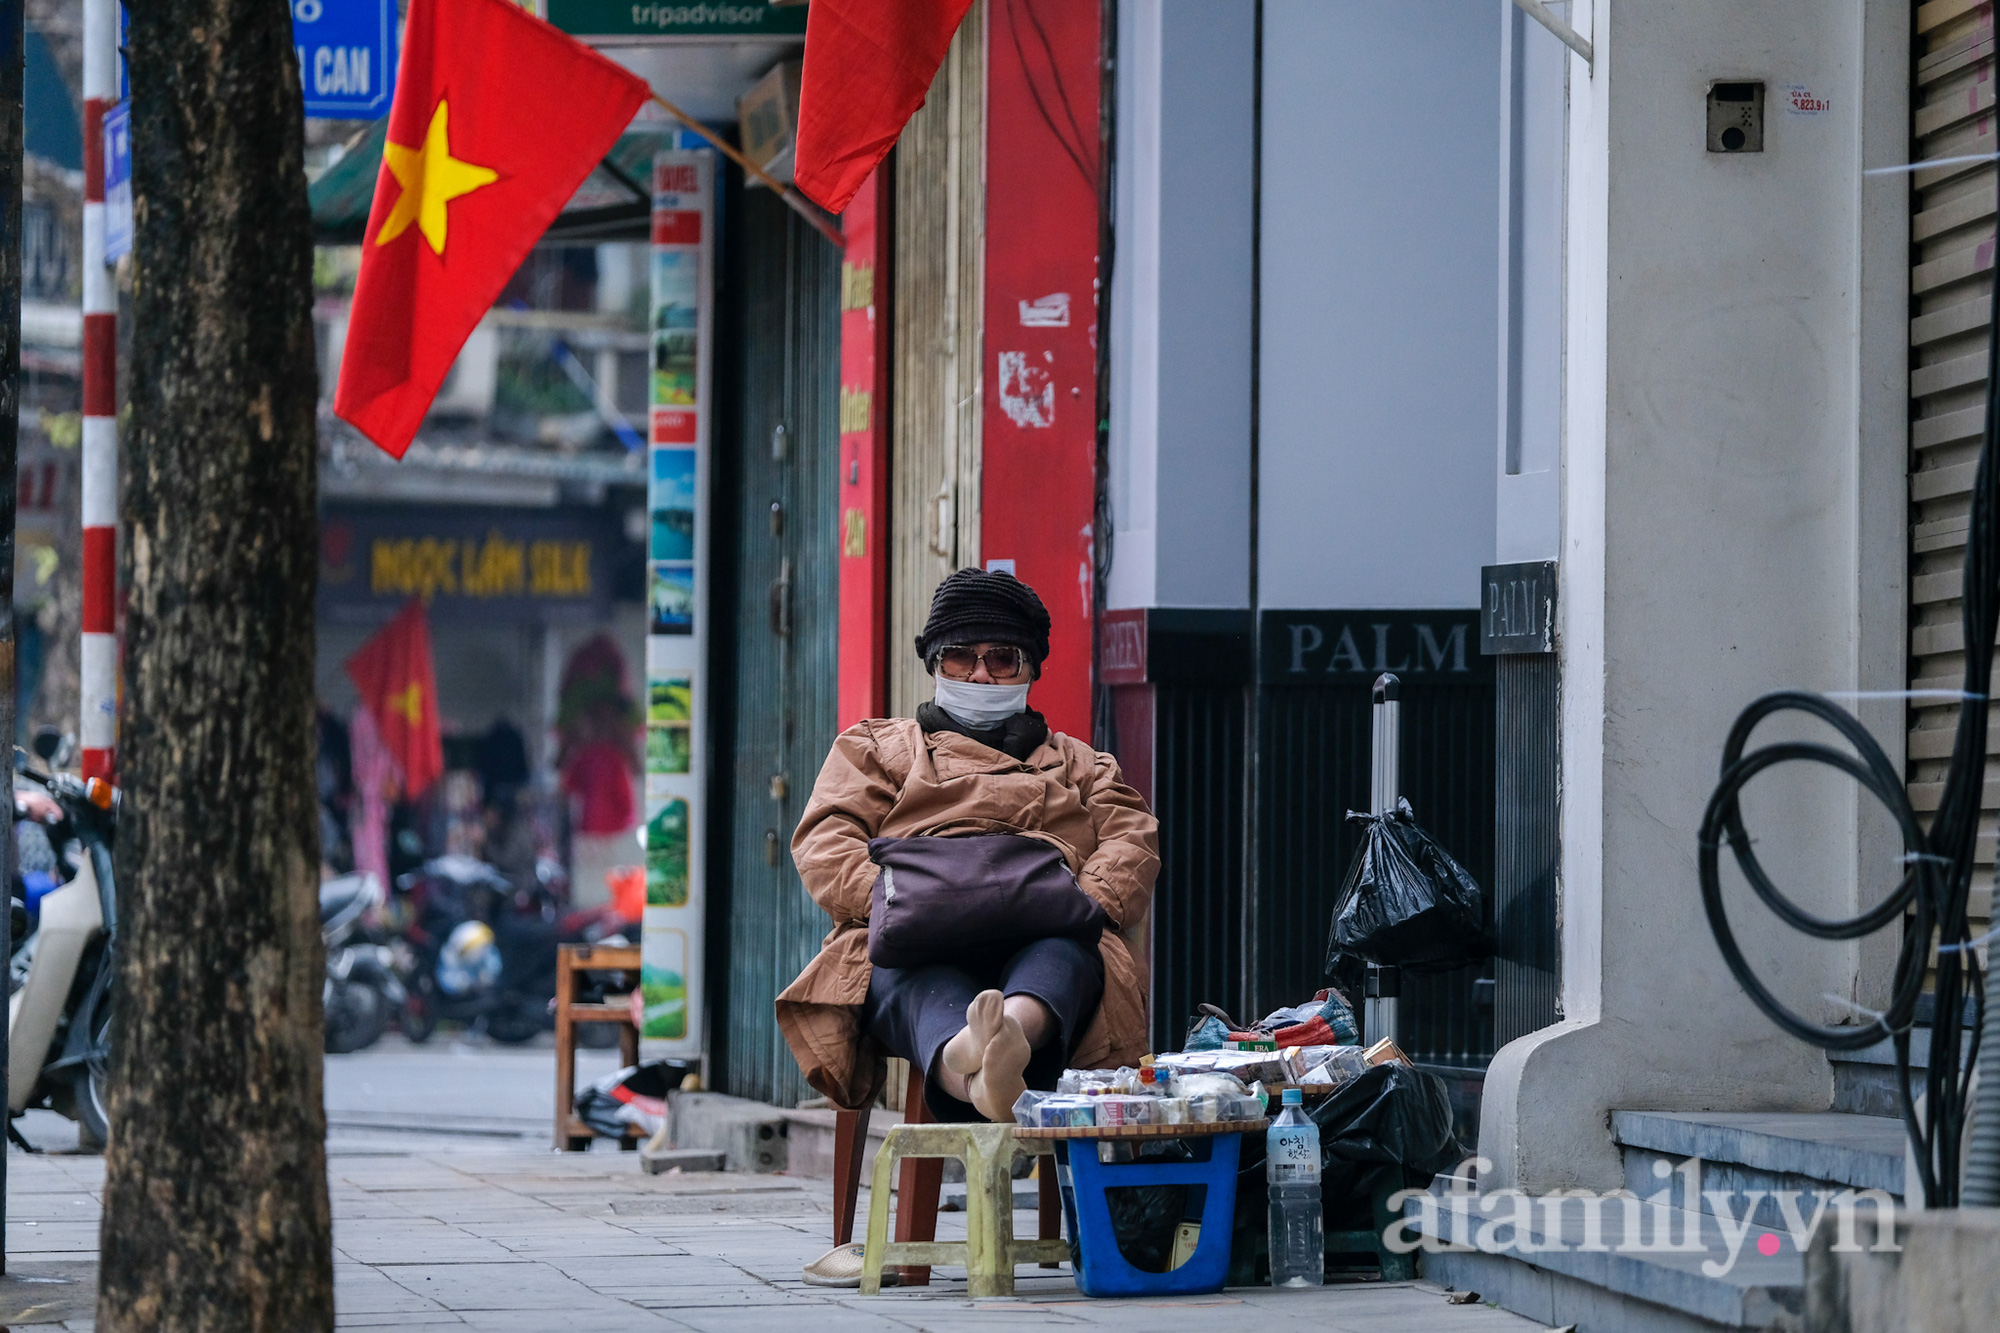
(535, 1241)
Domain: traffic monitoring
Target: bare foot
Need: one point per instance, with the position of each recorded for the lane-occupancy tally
(1002, 1066)
(963, 1053)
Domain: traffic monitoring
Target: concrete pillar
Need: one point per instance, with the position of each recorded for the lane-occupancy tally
(1732, 506)
(1182, 304)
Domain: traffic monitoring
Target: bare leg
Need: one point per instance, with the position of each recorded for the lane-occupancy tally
(1038, 1023)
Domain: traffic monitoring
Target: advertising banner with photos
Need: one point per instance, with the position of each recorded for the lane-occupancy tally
(678, 426)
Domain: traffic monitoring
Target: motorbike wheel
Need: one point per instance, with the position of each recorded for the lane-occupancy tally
(512, 1024)
(93, 1120)
(418, 1019)
(355, 1018)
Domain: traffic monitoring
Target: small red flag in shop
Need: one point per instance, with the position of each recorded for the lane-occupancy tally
(868, 66)
(497, 119)
(399, 689)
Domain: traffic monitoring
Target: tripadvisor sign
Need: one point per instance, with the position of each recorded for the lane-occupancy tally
(663, 18)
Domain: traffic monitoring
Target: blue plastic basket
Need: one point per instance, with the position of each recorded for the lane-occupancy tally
(1101, 1268)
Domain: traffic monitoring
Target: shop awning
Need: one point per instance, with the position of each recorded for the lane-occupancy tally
(614, 203)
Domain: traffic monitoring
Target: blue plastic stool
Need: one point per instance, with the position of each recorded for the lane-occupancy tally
(1101, 1268)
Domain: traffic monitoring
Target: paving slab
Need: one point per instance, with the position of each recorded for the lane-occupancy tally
(484, 1286)
(509, 1237)
(427, 1318)
(359, 1289)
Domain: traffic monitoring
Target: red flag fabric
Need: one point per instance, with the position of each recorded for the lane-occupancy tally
(868, 66)
(399, 689)
(497, 119)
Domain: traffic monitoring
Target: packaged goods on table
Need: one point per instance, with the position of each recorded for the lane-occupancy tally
(1212, 1098)
(1046, 1110)
(1386, 1051)
(1119, 1108)
(1097, 1082)
(1248, 1066)
(1326, 1066)
(1208, 1099)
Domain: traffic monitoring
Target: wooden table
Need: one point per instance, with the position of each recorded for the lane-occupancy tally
(573, 964)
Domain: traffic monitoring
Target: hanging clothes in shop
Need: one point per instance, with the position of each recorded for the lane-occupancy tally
(377, 781)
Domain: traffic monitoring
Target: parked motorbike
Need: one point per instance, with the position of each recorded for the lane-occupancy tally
(482, 950)
(62, 966)
(363, 992)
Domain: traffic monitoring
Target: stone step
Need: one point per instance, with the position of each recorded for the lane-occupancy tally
(811, 1134)
(1596, 1276)
(1864, 1081)
(687, 1160)
(1744, 1154)
(751, 1136)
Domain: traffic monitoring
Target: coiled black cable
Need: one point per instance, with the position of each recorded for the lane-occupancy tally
(1938, 863)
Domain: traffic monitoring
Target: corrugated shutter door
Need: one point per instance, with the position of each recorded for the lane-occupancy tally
(1952, 243)
(783, 611)
(934, 425)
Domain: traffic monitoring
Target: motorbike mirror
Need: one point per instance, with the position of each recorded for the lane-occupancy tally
(48, 741)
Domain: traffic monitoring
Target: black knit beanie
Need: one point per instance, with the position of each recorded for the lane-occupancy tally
(975, 606)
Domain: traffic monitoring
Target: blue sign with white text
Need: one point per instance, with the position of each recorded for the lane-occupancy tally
(347, 56)
(117, 182)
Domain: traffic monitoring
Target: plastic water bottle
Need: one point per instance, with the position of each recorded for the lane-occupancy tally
(1291, 1174)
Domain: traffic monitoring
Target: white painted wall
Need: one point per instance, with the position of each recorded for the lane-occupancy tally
(1528, 457)
(1380, 209)
(1181, 305)
(1731, 498)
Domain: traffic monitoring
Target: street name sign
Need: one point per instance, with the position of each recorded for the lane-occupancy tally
(347, 57)
(117, 182)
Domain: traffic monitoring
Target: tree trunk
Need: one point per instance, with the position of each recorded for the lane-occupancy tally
(215, 1199)
(11, 74)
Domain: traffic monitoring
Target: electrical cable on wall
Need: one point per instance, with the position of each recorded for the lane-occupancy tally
(1937, 877)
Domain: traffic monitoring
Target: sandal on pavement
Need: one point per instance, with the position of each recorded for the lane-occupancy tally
(841, 1267)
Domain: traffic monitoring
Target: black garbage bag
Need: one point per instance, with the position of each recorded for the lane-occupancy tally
(1406, 902)
(1145, 1217)
(1389, 1129)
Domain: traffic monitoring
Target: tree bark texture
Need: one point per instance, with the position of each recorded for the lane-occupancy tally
(11, 75)
(215, 1201)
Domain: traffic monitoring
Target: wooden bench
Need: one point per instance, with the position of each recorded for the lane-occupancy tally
(573, 964)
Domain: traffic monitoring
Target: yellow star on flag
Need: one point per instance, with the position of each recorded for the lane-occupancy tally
(409, 703)
(430, 178)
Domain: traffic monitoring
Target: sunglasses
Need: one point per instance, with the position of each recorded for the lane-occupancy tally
(1002, 663)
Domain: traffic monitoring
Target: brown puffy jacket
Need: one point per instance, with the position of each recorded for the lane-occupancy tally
(891, 779)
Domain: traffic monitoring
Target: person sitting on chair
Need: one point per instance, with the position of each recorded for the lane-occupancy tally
(1012, 865)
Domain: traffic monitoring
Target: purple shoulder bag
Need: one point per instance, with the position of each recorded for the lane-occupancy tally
(944, 900)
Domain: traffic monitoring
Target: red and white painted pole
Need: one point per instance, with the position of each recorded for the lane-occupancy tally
(97, 727)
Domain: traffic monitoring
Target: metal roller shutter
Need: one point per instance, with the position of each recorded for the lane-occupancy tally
(776, 499)
(1952, 243)
(934, 424)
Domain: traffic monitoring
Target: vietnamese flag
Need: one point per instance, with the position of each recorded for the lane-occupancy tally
(399, 689)
(868, 67)
(497, 119)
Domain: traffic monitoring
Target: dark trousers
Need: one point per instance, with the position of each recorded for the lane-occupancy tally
(914, 1011)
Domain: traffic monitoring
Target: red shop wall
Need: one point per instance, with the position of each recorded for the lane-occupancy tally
(864, 456)
(1042, 169)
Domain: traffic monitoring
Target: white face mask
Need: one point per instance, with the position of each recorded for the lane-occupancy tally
(979, 706)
